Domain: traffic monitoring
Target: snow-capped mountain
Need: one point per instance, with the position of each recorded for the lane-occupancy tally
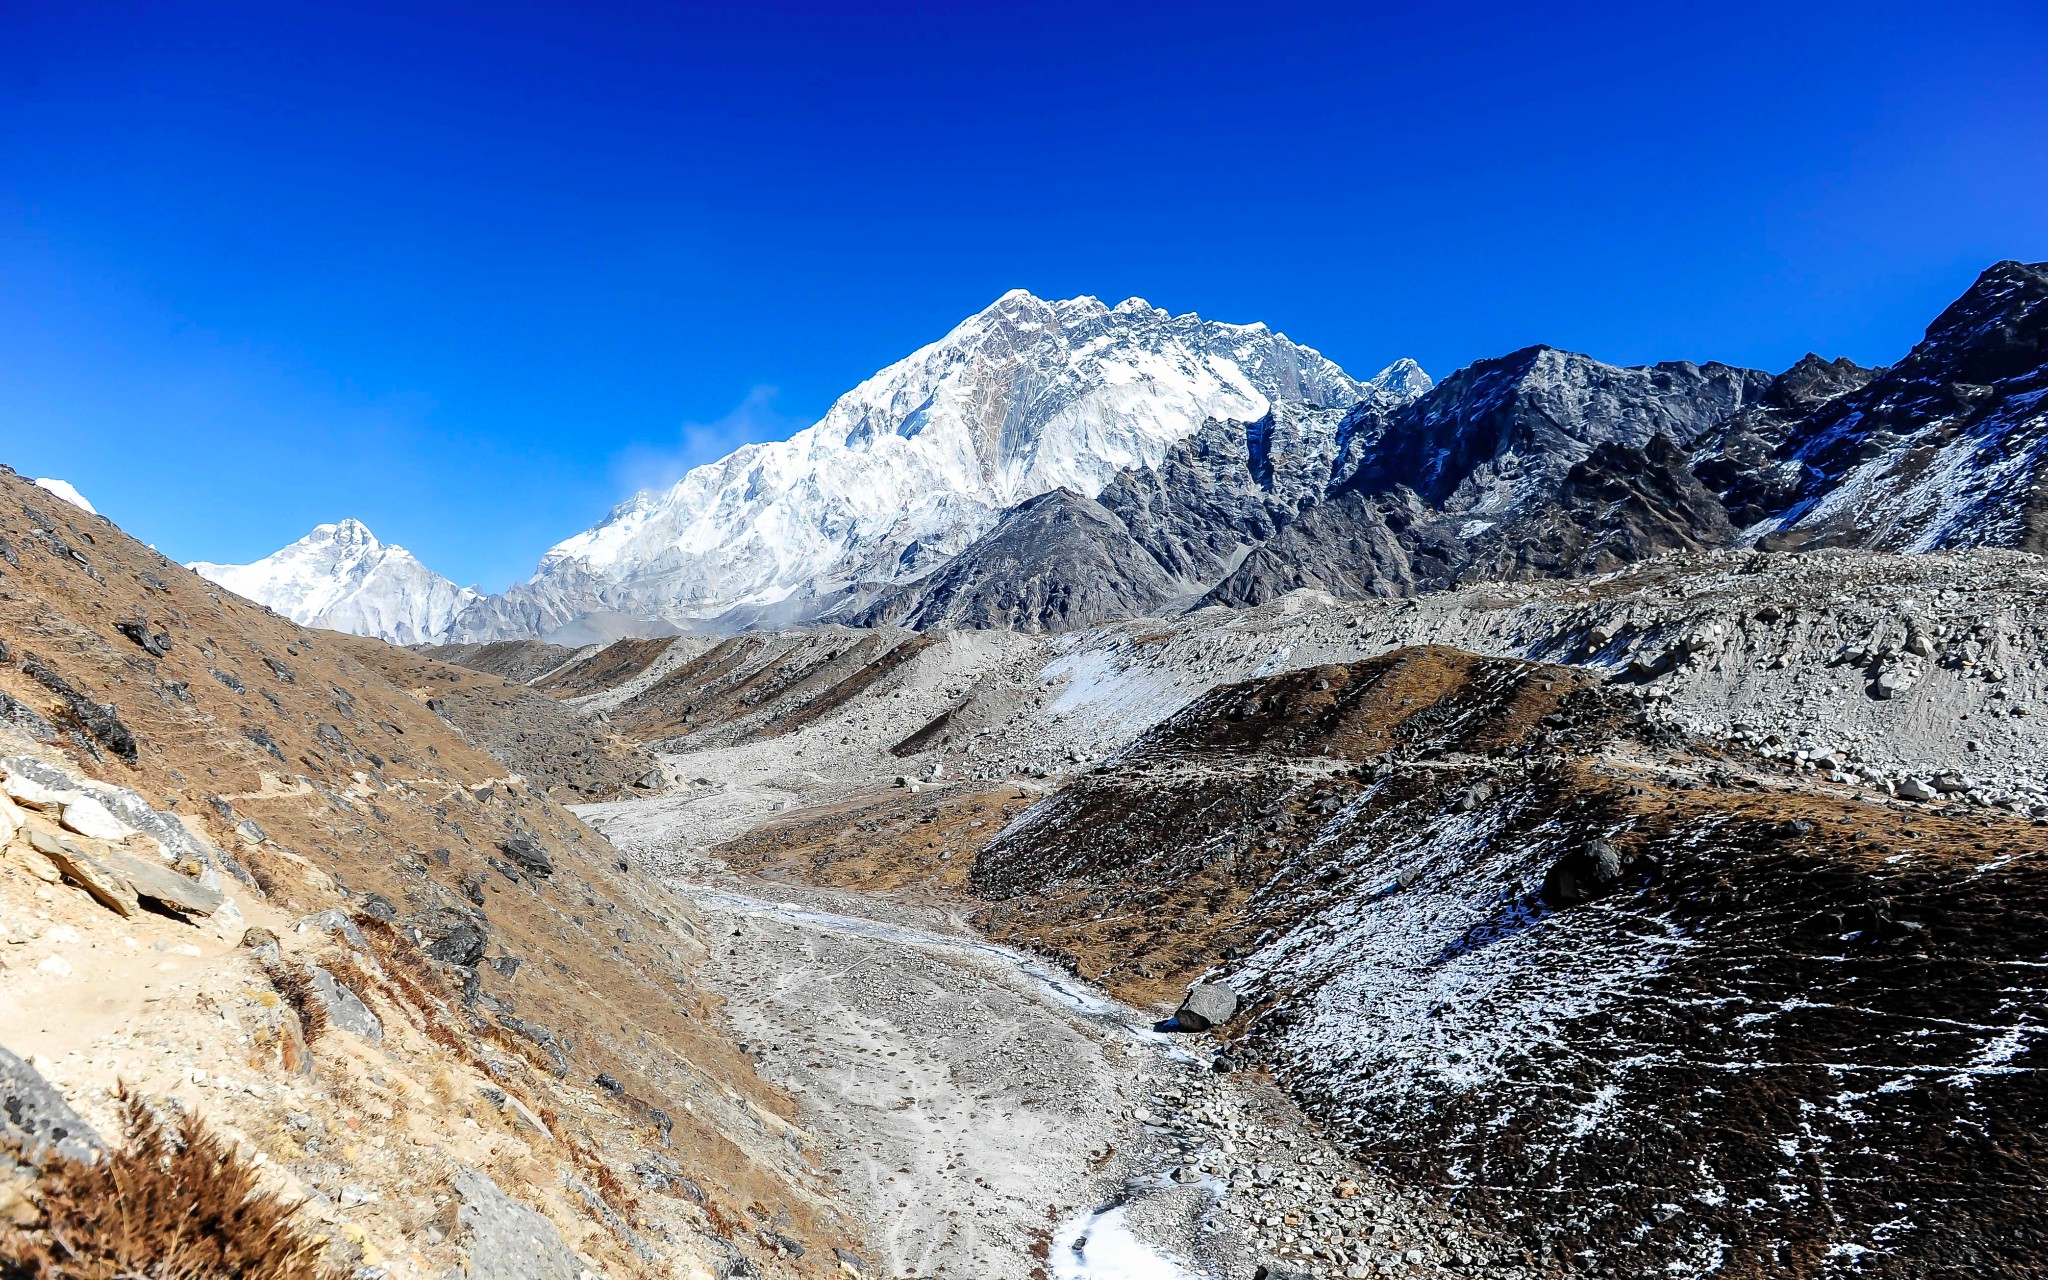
(341, 578)
(67, 491)
(912, 465)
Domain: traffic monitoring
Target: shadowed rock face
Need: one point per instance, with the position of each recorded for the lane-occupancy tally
(1056, 562)
(1769, 1027)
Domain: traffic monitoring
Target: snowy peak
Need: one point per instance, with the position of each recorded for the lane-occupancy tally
(908, 468)
(68, 492)
(342, 578)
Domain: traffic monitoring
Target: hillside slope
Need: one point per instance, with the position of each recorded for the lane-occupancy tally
(534, 1018)
(1623, 994)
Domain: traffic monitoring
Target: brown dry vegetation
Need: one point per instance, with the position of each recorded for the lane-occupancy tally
(171, 1204)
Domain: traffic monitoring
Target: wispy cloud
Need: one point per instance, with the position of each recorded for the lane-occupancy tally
(754, 418)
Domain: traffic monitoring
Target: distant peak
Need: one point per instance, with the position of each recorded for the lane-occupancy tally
(350, 531)
(65, 490)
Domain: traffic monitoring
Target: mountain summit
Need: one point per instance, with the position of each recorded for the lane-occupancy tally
(912, 465)
(341, 578)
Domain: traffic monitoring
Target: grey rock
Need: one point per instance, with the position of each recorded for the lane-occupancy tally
(344, 1008)
(525, 849)
(36, 1122)
(158, 883)
(1206, 1005)
(1582, 874)
(506, 1240)
(109, 888)
(333, 921)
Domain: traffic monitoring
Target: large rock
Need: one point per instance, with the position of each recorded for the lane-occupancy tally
(1207, 1004)
(344, 1009)
(526, 850)
(89, 873)
(88, 817)
(504, 1239)
(36, 1122)
(159, 883)
(1582, 874)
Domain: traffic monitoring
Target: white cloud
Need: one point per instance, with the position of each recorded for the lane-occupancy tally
(755, 418)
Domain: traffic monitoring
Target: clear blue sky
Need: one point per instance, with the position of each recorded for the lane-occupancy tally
(470, 273)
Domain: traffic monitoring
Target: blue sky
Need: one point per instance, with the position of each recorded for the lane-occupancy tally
(470, 274)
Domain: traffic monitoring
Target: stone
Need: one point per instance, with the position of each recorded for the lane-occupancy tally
(36, 1122)
(10, 820)
(344, 1008)
(463, 945)
(86, 871)
(1274, 1271)
(1914, 789)
(35, 793)
(1582, 874)
(525, 850)
(506, 1240)
(159, 883)
(1206, 1005)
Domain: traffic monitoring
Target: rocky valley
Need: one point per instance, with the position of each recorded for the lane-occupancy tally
(1119, 799)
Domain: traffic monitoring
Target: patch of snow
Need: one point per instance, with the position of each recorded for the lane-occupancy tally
(1102, 1246)
(68, 492)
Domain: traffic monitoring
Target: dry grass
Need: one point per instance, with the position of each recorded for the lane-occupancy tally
(174, 1205)
(292, 983)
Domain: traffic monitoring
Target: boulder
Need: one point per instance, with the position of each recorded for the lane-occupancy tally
(1582, 874)
(526, 850)
(159, 883)
(91, 818)
(86, 871)
(35, 793)
(36, 1122)
(344, 1008)
(1206, 1005)
(1914, 789)
(504, 1239)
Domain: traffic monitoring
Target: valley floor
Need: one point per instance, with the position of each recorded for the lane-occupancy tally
(989, 1115)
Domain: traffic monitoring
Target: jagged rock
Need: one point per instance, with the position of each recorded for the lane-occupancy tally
(155, 643)
(1582, 874)
(25, 788)
(159, 883)
(344, 1008)
(86, 871)
(90, 818)
(100, 719)
(505, 1240)
(21, 716)
(526, 850)
(36, 1122)
(1914, 789)
(462, 945)
(1206, 1005)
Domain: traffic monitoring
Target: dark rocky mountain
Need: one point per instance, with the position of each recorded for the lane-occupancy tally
(1942, 449)
(1055, 562)
(1545, 463)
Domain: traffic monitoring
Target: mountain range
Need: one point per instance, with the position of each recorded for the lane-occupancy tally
(1053, 464)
